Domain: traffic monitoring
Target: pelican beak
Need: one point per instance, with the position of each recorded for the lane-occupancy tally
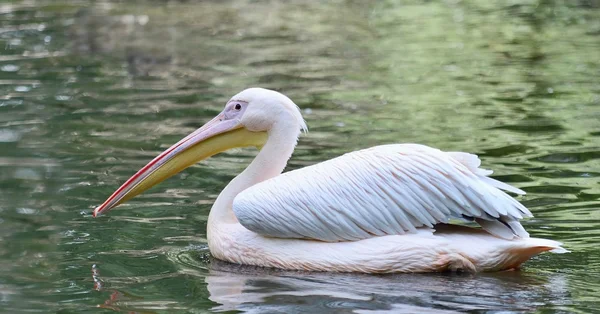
(216, 136)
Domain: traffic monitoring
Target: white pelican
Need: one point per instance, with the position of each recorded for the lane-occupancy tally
(379, 210)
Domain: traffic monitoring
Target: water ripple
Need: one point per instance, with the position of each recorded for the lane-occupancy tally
(89, 92)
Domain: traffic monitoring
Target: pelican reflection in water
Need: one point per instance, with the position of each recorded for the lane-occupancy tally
(252, 289)
(379, 210)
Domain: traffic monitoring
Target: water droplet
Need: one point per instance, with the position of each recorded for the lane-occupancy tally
(41, 27)
(550, 90)
(11, 102)
(8, 136)
(10, 68)
(26, 211)
(22, 88)
(15, 42)
(47, 39)
(128, 19)
(62, 97)
(27, 174)
(308, 111)
(143, 19)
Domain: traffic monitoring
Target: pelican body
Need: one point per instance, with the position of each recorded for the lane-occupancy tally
(379, 210)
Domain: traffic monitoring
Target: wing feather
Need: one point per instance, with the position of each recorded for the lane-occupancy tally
(384, 190)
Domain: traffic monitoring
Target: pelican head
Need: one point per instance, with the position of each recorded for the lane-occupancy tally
(248, 119)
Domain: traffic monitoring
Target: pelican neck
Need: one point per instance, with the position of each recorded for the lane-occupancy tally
(268, 163)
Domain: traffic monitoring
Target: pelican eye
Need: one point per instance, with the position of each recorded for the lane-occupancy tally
(237, 107)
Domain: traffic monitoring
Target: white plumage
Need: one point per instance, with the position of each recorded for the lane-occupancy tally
(384, 190)
(379, 210)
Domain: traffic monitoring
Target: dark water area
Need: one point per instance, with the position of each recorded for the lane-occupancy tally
(91, 91)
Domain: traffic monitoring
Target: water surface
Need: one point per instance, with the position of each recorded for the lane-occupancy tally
(90, 91)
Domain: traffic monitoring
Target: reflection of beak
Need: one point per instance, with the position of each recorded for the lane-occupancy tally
(216, 136)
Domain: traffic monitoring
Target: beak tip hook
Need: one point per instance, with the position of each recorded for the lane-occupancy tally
(96, 213)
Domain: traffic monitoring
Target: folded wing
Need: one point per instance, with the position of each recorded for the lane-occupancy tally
(384, 190)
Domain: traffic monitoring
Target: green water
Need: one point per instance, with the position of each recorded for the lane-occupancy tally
(90, 91)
